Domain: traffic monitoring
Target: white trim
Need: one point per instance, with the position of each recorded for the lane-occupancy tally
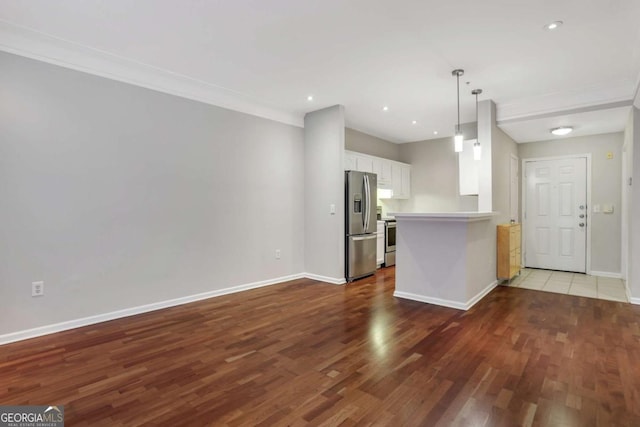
(524, 202)
(44, 47)
(326, 279)
(606, 274)
(445, 302)
(636, 96)
(443, 216)
(86, 321)
(632, 300)
(575, 99)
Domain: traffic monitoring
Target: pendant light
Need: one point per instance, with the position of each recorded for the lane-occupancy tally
(477, 149)
(458, 138)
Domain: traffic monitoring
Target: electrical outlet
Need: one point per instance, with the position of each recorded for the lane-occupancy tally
(37, 289)
(278, 254)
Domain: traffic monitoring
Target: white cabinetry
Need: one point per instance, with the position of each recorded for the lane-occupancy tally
(401, 179)
(382, 168)
(350, 162)
(380, 243)
(392, 175)
(364, 164)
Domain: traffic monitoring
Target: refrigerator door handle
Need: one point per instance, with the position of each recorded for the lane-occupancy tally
(367, 194)
(367, 237)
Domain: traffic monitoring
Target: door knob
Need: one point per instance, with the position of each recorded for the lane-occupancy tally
(581, 207)
(581, 224)
(581, 215)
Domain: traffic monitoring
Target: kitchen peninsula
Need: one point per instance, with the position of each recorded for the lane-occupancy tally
(446, 258)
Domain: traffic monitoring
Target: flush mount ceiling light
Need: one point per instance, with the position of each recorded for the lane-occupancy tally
(562, 130)
(458, 138)
(310, 98)
(553, 25)
(414, 122)
(385, 108)
(477, 148)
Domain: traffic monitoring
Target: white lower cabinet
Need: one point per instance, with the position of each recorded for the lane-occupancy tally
(380, 241)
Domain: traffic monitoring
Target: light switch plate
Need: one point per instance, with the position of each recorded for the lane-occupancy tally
(608, 209)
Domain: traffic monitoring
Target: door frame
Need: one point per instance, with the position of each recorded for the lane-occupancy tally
(523, 210)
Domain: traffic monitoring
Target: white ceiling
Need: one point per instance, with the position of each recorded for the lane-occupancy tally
(266, 56)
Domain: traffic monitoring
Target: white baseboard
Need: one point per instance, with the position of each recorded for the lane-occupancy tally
(606, 274)
(327, 279)
(481, 294)
(86, 321)
(430, 300)
(448, 303)
(635, 301)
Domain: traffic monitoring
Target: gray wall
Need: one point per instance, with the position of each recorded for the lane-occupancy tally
(434, 178)
(502, 147)
(605, 189)
(633, 192)
(118, 196)
(369, 144)
(324, 186)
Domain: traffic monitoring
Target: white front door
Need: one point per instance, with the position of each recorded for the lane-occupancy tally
(556, 214)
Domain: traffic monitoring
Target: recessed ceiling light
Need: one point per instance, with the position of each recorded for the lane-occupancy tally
(414, 122)
(553, 25)
(310, 98)
(435, 132)
(385, 108)
(562, 130)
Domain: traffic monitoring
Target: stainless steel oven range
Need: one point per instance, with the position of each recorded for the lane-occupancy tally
(389, 242)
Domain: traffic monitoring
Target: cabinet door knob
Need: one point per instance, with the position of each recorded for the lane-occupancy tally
(581, 224)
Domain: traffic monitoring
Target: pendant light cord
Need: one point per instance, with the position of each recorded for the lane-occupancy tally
(476, 111)
(458, 91)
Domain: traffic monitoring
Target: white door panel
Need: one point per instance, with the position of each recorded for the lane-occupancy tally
(556, 196)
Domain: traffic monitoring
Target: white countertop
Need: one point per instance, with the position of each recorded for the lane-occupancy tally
(444, 216)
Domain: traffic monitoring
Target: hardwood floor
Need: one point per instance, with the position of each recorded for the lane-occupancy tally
(304, 353)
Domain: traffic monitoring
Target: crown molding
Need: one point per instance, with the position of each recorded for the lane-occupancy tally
(43, 47)
(548, 104)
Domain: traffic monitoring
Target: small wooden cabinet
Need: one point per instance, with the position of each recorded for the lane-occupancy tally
(508, 262)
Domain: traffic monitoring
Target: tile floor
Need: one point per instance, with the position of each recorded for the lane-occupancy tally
(563, 282)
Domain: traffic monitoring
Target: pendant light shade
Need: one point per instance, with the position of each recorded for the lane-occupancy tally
(458, 142)
(477, 148)
(459, 137)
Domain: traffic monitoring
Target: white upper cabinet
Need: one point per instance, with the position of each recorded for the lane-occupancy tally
(401, 179)
(349, 161)
(392, 175)
(382, 168)
(364, 164)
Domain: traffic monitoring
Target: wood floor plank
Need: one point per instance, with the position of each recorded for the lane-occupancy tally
(309, 353)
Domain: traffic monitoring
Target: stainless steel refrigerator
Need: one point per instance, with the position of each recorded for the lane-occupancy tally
(360, 224)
